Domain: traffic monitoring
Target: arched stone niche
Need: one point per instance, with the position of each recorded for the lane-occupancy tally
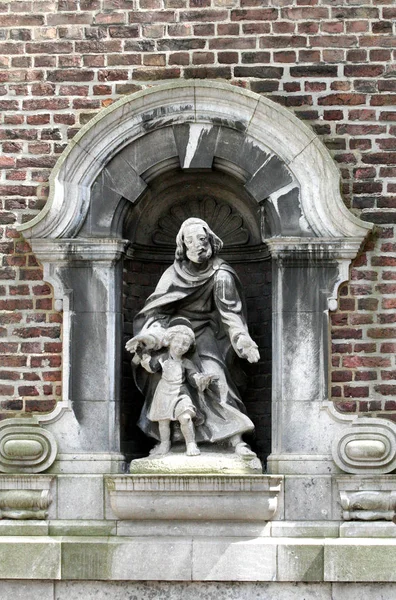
(284, 187)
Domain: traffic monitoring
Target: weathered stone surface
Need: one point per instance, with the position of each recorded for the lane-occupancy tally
(188, 497)
(307, 496)
(21, 590)
(29, 558)
(91, 590)
(234, 559)
(207, 463)
(369, 529)
(363, 560)
(300, 562)
(80, 497)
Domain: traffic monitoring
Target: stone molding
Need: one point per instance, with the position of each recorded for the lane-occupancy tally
(25, 497)
(367, 498)
(202, 105)
(198, 498)
(368, 446)
(25, 447)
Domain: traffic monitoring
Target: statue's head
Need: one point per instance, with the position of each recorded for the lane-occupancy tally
(196, 241)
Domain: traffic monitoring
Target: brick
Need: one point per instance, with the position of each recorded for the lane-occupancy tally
(366, 70)
(365, 347)
(366, 376)
(203, 58)
(358, 391)
(233, 43)
(180, 44)
(385, 389)
(254, 14)
(333, 41)
(6, 390)
(131, 31)
(207, 73)
(314, 71)
(340, 376)
(156, 74)
(365, 361)
(345, 333)
(203, 15)
(259, 72)
(293, 41)
(342, 99)
(255, 28)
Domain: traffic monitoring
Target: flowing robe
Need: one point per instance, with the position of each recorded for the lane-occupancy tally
(212, 301)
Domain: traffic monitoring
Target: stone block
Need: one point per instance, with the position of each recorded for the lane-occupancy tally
(370, 529)
(300, 562)
(271, 177)
(175, 590)
(363, 560)
(81, 528)
(307, 498)
(232, 146)
(29, 558)
(234, 559)
(361, 591)
(84, 558)
(80, 497)
(210, 529)
(305, 529)
(196, 144)
(128, 559)
(152, 559)
(23, 528)
(23, 590)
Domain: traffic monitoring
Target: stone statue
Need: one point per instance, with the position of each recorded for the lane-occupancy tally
(172, 399)
(202, 294)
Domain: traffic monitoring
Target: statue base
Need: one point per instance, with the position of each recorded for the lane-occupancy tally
(213, 460)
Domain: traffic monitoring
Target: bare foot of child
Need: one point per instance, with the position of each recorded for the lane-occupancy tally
(192, 449)
(160, 449)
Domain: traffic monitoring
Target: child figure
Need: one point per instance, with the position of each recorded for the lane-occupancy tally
(172, 400)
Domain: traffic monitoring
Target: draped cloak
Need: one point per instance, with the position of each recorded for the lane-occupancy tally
(212, 301)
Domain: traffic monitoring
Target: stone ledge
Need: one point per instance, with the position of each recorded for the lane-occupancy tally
(197, 559)
(194, 497)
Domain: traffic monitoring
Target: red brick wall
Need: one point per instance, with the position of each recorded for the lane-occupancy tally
(329, 61)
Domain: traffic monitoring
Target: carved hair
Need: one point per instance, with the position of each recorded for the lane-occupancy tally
(178, 329)
(214, 240)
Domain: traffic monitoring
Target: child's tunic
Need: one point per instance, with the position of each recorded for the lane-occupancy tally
(171, 397)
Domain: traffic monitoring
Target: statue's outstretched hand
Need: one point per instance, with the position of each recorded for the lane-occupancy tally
(203, 380)
(142, 341)
(247, 348)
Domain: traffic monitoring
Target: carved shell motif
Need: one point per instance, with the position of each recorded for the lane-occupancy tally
(226, 223)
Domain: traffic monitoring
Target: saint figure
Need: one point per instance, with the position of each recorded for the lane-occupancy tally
(204, 290)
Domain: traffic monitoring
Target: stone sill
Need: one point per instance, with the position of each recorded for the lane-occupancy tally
(197, 559)
(195, 497)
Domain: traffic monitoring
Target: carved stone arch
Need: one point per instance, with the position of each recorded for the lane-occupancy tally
(289, 177)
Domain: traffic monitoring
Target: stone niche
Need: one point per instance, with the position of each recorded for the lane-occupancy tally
(152, 225)
(269, 188)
